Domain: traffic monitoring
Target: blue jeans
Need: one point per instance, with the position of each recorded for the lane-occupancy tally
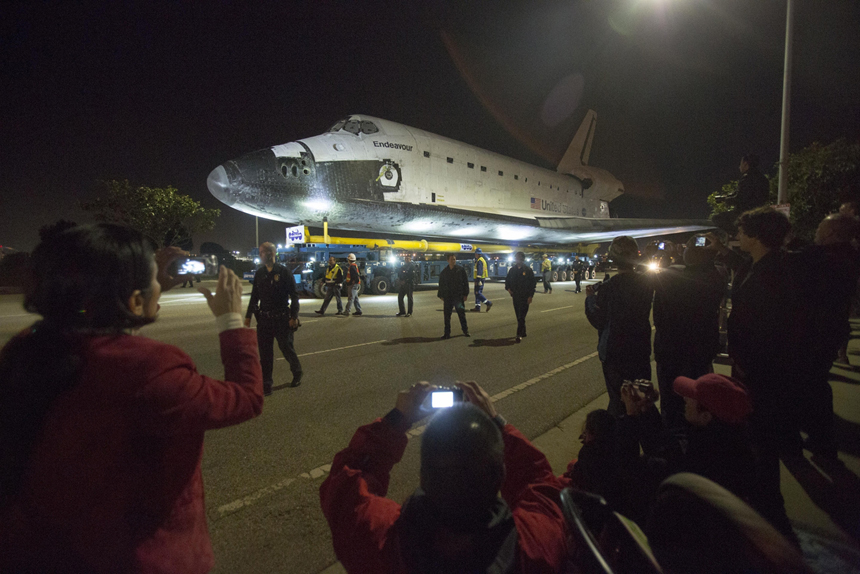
(479, 293)
(353, 299)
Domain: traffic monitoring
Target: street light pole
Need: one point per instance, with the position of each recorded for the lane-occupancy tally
(782, 193)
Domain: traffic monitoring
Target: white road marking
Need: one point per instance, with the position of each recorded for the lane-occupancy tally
(337, 349)
(558, 308)
(34, 315)
(321, 471)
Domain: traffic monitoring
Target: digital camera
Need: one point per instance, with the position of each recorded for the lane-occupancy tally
(444, 397)
(202, 265)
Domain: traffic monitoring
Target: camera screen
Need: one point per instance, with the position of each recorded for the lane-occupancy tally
(442, 399)
(661, 246)
(700, 241)
(192, 267)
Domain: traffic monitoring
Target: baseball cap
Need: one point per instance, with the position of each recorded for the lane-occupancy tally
(724, 397)
(478, 250)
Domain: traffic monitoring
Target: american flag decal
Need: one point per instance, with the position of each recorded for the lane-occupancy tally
(535, 203)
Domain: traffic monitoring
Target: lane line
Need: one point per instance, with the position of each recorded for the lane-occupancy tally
(337, 349)
(321, 471)
(558, 308)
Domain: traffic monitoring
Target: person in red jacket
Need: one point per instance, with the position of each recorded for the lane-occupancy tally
(101, 430)
(455, 521)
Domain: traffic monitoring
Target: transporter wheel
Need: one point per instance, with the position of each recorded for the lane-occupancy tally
(318, 288)
(562, 276)
(380, 285)
(554, 276)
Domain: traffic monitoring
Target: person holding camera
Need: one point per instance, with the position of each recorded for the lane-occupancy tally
(407, 274)
(520, 284)
(333, 282)
(101, 430)
(455, 521)
(620, 310)
(453, 291)
(275, 304)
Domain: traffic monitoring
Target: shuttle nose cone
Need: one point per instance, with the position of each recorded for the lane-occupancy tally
(219, 185)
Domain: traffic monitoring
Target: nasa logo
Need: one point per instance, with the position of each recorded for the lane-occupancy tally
(465, 247)
(296, 235)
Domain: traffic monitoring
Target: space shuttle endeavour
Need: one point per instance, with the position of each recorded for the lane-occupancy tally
(372, 175)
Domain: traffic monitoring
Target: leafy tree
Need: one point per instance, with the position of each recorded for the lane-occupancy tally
(820, 177)
(718, 206)
(164, 214)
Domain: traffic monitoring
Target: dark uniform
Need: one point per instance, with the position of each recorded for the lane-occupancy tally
(578, 270)
(753, 191)
(453, 287)
(521, 283)
(406, 274)
(274, 301)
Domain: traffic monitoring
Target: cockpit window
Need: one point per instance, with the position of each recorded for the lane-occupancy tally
(337, 126)
(352, 126)
(368, 128)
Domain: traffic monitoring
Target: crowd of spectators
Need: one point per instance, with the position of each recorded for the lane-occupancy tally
(122, 491)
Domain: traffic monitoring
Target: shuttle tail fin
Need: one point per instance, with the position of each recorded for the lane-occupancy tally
(580, 148)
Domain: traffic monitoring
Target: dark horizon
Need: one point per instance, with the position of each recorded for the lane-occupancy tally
(160, 94)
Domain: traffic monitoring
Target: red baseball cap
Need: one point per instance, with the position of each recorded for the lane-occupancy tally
(724, 397)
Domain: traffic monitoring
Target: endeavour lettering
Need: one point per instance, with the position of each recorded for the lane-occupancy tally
(390, 145)
(546, 205)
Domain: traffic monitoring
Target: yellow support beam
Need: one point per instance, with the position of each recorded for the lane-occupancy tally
(424, 246)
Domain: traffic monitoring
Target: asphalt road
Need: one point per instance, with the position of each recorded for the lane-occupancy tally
(262, 477)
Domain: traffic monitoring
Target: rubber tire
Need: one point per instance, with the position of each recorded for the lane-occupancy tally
(554, 276)
(380, 285)
(562, 276)
(318, 288)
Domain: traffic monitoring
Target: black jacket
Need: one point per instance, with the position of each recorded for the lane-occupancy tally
(521, 282)
(453, 283)
(753, 191)
(765, 326)
(274, 291)
(687, 312)
(828, 275)
(407, 273)
(621, 312)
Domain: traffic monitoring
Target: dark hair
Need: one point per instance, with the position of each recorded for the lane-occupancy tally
(601, 424)
(462, 459)
(79, 281)
(751, 159)
(765, 224)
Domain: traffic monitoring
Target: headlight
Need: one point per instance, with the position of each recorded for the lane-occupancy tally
(653, 266)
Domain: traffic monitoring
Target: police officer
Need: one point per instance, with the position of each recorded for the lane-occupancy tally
(578, 270)
(275, 303)
(480, 274)
(406, 274)
(546, 273)
(333, 281)
(520, 283)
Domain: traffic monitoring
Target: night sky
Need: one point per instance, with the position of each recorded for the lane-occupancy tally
(161, 93)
